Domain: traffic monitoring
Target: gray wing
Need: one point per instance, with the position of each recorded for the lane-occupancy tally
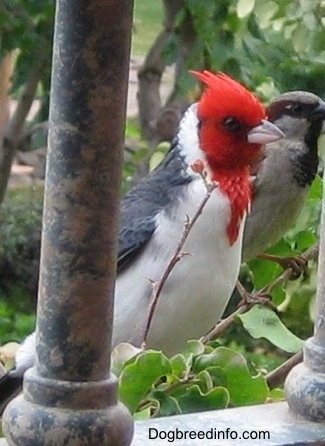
(157, 191)
(132, 239)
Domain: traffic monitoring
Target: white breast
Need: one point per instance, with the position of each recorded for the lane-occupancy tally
(196, 293)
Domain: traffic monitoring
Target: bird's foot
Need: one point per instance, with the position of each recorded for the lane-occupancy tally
(261, 298)
(257, 298)
(298, 264)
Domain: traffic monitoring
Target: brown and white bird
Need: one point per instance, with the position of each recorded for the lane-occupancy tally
(226, 131)
(283, 179)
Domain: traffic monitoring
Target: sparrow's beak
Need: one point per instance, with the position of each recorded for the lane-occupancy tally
(318, 112)
(264, 133)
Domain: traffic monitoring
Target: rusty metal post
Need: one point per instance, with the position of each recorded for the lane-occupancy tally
(69, 396)
(305, 384)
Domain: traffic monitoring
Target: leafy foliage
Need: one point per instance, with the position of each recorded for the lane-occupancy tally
(20, 232)
(272, 45)
(27, 26)
(200, 378)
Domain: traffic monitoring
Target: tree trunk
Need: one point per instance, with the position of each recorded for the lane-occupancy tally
(158, 121)
(15, 126)
(151, 72)
(6, 71)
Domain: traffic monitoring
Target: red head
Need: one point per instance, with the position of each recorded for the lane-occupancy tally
(232, 132)
(227, 111)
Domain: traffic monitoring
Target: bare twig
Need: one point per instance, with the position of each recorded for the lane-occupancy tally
(177, 256)
(277, 376)
(221, 326)
(241, 289)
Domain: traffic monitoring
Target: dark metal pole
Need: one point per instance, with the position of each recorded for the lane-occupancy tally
(69, 396)
(305, 384)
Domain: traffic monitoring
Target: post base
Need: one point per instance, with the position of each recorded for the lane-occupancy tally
(77, 418)
(305, 384)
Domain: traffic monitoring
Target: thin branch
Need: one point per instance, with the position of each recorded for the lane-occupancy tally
(177, 256)
(278, 375)
(221, 326)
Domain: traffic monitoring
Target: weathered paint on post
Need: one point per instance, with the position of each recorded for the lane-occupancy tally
(305, 384)
(69, 396)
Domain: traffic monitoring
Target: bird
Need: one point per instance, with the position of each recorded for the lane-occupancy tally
(226, 131)
(283, 179)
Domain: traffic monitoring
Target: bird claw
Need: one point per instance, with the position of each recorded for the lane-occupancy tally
(298, 266)
(261, 298)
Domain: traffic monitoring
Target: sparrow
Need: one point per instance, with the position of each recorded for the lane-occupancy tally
(225, 131)
(283, 179)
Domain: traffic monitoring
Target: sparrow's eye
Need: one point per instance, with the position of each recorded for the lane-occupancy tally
(295, 109)
(232, 124)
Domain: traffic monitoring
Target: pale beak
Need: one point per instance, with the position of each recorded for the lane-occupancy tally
(264, 133)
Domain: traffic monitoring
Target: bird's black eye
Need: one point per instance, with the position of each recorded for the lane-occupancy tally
(295, 109)
(232, 124)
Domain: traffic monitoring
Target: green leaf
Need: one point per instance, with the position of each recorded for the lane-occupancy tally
(122, 353)
(205, 380)
(278, 294)
(282, 248)
(178, 364)
(194, 400)
(316, 190)
(142, 414)
(266, 11)
(139, 376)
(216, 375)
(245, 7)
(300, 38)
(276, 395)
(168, 405)
(310, 21)
(192, 349)
(262, 322)
(304, 240)
(254, 28)
(263, 272)
(228, 366)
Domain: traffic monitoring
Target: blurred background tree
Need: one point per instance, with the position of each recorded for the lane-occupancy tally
(272, 46)
(25, 55)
